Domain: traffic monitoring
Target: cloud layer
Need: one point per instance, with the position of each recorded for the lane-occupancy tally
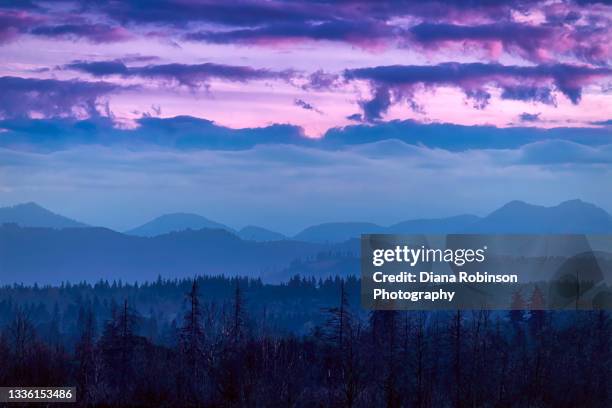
(347, 61)
(185, 74)
(525, 83)
(31, 97)
(189, 133)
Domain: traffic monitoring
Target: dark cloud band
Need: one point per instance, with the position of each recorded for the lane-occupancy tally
(189, 133)
(529, 83)
(191, 75)
(25, 97)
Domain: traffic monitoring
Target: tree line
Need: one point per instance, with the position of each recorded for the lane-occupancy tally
(227, 353)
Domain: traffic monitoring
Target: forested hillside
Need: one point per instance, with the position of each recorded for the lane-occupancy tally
(226, 346)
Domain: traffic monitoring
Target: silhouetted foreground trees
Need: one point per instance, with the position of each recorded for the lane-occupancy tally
(227, 352)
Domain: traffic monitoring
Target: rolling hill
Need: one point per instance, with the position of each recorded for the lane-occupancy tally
(65, 250)
(574, 216)
(175, 222)
(47, 255)
(33, 215)
(338, 231)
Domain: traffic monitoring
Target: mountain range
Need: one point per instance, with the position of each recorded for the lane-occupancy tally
(573, 216)
(48, 255)
(37, 245)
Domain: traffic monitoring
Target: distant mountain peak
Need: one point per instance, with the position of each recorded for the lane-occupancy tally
(28, 204)
(576, 203)
(571, 216)
(31, 214)
(516, 203)
(31, 205)
(337, 231)
(180, 215)
(515, 217)
(174, 222)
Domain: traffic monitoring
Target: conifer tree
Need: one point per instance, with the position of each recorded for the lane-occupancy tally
(537, 316)
(85, 352)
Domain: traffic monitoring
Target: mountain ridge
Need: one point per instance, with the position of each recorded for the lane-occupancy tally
(30, 214)
(89, 253)
(571, 216)
(513, 217)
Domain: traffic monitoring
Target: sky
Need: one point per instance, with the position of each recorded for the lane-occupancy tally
(286, 113)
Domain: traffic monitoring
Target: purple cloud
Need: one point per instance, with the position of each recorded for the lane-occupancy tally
(367, 24)
(526, 40)
(448, 10)
(252, 13)
(99, 68)
(14, 23)
(529, 117)
(379, 104)
(26, 97)
(555, 34)
(178, 13)
(536, 83)
(21, 5)
(363, 33)
(320, 80)
(96, 33)
(364, 23)
(543, 95)
(185, 74)
(305, 105)
(533, 42)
